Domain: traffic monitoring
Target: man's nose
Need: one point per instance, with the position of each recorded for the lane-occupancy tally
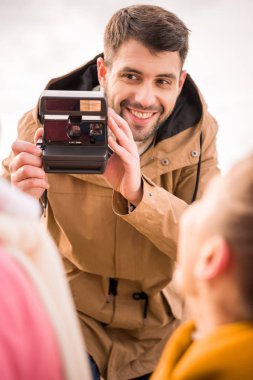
(145, 95)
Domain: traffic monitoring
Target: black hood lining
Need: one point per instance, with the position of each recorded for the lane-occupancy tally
(83, 79)
(187, 111)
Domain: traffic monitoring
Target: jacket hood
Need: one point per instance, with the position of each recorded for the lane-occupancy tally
(187, 111)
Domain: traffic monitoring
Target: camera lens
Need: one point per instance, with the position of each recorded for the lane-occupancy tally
(74, 131)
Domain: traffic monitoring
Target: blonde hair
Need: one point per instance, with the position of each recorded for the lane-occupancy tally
(235, 222)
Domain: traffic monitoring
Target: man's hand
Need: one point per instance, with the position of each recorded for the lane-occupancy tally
(26, 167)
(123, 168)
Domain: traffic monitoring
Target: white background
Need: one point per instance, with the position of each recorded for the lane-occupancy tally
(44, 39)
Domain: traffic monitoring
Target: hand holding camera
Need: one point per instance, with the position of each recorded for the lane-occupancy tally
(26, 167)
(123, 169)
(74, 139)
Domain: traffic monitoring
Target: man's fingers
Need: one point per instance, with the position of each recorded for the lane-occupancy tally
(118, 133)
(39, 133)
(121, 123)
(122, 138)
(27, 171)
(24, 146)
(32, 184)
(25, 158)
(30, 179)
(124, 155)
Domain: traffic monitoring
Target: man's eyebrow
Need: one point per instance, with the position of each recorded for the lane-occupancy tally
(132, 70)
(167, 75)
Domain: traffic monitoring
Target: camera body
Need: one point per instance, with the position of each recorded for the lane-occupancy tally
(75, 131)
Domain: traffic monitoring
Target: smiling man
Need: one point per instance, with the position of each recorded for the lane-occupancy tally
(143, 91)
(117, 232)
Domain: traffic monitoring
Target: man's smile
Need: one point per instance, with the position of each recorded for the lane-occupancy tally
(140, 114)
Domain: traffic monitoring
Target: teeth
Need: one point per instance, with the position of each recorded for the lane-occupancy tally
(141, 115)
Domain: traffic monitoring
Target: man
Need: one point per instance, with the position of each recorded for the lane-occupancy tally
(215, 264)
(118, 232)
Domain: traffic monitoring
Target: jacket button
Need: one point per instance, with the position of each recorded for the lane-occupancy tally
(194, 153)
(165, 161)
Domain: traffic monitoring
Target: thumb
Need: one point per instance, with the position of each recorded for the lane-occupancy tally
(39, 133)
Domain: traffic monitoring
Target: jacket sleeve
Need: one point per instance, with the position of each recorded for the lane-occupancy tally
(26, 130)
(158, 214)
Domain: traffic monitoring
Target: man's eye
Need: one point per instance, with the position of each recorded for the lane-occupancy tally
(130, 76)
(164, 82)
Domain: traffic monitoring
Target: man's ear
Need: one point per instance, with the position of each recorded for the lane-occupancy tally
(102, 71)
(214, 259)
(182, 78)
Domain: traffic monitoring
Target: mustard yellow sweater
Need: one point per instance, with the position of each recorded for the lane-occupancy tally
(224, 354)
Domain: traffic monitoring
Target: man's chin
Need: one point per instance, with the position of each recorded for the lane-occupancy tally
(140, 137)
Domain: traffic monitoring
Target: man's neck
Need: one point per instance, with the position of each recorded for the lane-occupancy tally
(144, 145)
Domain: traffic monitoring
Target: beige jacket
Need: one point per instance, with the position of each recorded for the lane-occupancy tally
(127, 320)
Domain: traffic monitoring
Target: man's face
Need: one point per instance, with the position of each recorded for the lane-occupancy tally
(142, 86)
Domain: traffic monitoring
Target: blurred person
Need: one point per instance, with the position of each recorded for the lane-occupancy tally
(117, 232)
(214, 274)
(39, 333)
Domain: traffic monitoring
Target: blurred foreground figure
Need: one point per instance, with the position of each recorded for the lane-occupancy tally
(215, 275)
(39, 333)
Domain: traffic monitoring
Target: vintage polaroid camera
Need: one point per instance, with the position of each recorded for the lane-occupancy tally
(75, 131)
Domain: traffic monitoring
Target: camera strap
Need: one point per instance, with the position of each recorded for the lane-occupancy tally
(44, 203)
(198, 169)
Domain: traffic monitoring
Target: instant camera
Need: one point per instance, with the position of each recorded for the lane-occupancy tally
(75, 131)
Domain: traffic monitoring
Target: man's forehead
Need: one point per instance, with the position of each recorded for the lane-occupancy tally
(134, 53)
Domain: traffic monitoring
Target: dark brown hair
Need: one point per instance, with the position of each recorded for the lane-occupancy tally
(156, 28)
